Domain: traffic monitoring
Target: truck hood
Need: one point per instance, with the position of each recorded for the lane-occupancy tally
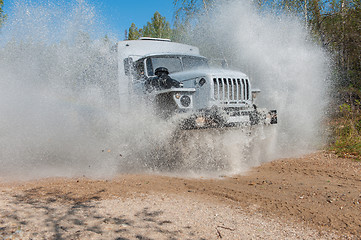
(188, 75)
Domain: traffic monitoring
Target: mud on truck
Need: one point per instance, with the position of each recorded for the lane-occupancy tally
(179, 83)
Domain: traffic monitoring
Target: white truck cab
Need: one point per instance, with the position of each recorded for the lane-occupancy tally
(178, 81)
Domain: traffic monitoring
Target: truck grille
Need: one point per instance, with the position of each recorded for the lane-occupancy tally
(231, 90)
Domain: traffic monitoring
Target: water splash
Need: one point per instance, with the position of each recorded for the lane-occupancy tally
(56, 92)
(282, 59)
(59, 102)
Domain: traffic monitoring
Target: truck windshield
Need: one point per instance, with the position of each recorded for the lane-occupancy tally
(175, 63)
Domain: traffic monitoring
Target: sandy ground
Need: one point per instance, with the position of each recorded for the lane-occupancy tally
(314, 197)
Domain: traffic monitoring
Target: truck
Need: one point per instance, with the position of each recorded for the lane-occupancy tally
(178, 82)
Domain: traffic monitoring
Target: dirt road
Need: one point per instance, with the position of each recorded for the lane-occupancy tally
(313, 197)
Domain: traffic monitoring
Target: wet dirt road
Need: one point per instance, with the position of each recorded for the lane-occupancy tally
(312, 197)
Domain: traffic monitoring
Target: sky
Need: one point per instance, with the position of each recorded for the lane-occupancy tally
(118, 15)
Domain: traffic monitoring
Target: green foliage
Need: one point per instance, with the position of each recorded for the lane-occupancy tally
(158, 27)
(342, 31)
(2, 15)
(347, 132)
(134, 33)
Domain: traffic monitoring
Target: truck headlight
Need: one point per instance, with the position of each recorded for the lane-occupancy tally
(185, 101)
(202, 82)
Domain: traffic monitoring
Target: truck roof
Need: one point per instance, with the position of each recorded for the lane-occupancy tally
(153, 46)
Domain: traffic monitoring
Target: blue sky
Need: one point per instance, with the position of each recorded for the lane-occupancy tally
(118, 15)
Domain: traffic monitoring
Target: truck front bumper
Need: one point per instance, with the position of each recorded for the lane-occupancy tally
(219, 118)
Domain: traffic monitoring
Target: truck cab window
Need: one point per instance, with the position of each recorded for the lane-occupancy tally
(190, 63)
(172, 63)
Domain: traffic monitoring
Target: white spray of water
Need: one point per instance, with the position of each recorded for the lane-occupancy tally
(277, 52)
(59, 103)
(53, 82)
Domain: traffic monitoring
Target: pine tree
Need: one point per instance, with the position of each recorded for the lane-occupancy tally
(134, 33)
(159, 27)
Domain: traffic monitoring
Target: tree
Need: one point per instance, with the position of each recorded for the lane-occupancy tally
(343, 35)
(2, 15)
(159, 27)
(134, 33)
